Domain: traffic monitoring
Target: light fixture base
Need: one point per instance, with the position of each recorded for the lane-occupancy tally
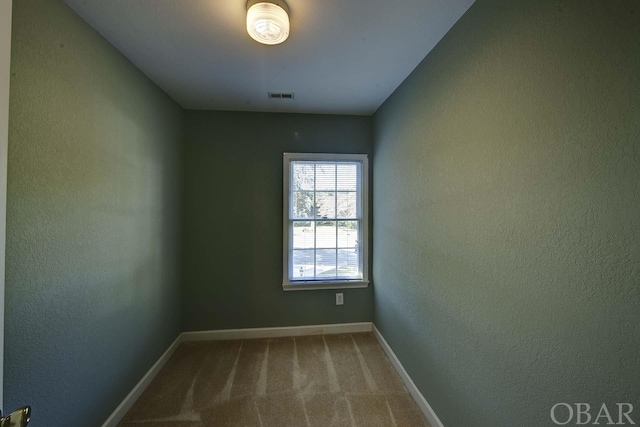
(280, 3)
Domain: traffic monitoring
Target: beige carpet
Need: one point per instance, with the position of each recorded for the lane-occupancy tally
(320, 380)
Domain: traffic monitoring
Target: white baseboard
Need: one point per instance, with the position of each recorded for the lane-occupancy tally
(131, 398)
(422, 403)
(288, 331)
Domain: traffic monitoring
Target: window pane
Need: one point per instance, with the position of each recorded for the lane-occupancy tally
(302, 264)
(303, 234)
(325, 177)
(347, 204)
(325, 217)
(348, 234)
(348, 262)
(302, 204)
(325, 234)
(326, 205)
(326, 263)
(302, 176)
(347, 176)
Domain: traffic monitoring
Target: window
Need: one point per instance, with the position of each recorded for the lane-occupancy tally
(325, 221)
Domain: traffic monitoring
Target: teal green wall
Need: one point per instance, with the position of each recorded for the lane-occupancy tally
(232, 247)
(92, 291)
(507, 213)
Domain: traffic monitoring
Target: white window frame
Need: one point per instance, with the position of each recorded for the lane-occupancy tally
(309, 285)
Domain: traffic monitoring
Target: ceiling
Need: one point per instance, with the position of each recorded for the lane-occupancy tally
(342, 56)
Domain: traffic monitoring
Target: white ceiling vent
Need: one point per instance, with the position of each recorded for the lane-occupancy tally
(280, 95)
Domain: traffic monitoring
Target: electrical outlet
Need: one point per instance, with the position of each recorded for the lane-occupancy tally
(339, 299)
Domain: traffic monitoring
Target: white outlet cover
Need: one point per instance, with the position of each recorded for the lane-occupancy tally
(339, 299)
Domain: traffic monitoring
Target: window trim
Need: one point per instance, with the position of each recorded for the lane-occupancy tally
(309, 285)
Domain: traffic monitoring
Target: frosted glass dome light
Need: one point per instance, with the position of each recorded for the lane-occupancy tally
(268, 22)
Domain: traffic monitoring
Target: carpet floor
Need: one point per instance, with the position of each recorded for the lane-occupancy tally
(319, 380)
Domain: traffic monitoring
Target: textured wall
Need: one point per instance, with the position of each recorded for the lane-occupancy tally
(507, 213)
(5, 59)
(92, 288)
(233, 219)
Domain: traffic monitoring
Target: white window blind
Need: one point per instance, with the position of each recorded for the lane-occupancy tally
(325, 205)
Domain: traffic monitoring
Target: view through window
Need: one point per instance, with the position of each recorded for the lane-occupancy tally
(325, 218)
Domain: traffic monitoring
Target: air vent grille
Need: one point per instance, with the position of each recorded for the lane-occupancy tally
(280, 95)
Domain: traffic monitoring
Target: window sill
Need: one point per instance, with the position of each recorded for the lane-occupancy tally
(318, 285)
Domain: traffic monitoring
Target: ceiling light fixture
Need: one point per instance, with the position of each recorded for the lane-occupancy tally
(268, 21)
